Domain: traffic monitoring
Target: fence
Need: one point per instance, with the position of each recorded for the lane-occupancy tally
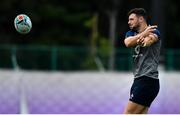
(73, 58)
(172, 59)
(60, 58)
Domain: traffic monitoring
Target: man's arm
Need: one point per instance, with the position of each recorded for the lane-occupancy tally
(132, 40)
(149, 40)
(139, 38)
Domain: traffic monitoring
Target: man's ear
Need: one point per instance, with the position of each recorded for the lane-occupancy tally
(141, 19)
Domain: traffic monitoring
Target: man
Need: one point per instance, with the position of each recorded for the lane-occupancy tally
(146, 42)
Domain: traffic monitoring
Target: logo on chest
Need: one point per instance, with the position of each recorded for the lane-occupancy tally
(137, 52)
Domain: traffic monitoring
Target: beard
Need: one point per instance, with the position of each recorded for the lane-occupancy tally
(135, 28)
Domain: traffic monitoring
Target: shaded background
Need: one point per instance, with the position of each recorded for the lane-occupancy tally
(60, 22)
(96, 27)
(80, 36)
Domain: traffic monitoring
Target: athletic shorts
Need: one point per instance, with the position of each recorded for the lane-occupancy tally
(144, 90)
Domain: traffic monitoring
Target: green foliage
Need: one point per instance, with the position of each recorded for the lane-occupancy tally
(89, 63)
(104, 47)
(68, 22)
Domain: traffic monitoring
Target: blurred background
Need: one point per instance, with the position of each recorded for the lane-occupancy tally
(74, 59)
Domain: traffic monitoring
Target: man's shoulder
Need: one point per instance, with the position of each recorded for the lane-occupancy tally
(130, 33)
(157, 32)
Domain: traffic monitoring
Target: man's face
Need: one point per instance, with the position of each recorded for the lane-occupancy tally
(133, 22)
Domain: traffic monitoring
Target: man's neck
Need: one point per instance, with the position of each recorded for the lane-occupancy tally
(142, 28)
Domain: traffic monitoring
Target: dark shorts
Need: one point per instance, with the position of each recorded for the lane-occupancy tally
(144, 90)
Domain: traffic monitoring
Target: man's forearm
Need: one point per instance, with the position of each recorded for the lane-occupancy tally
(132, 40)
(149, 40)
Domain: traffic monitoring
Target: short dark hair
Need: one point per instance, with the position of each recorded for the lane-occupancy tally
(139, 12)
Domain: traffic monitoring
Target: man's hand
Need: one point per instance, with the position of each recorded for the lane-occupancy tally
(147, 37)
(140, 40)
(148, 30)
(149, 40)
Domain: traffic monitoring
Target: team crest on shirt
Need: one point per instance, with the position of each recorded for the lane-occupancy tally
(137, 51)
(131, 96)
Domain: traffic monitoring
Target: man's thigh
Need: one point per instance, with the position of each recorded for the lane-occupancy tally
(134, 108)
